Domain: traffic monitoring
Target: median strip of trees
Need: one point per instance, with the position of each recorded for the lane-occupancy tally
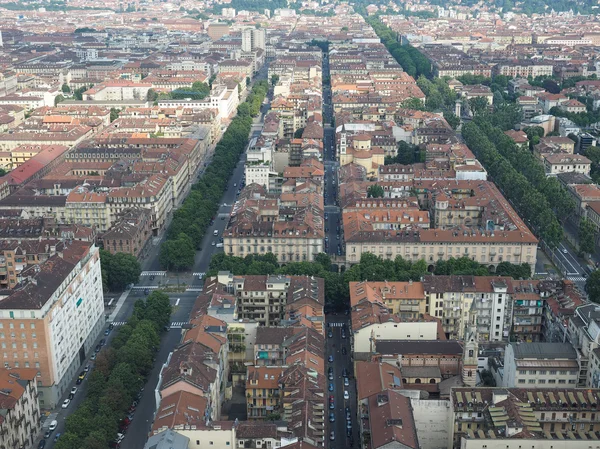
(192, 219)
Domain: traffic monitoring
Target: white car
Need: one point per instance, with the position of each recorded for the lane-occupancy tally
(73, 390)
(119, 438)
(346, 395)
(564, 250)
(66, 403)
(53, 425)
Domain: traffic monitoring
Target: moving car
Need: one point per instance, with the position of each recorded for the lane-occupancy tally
(53, 425)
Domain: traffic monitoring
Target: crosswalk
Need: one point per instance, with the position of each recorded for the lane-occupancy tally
(576, 278)
(174, 325)
(153, 273)
(336, 324)
(193, 289)
(200, 274)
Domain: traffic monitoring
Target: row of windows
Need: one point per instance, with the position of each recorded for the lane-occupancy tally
(24, 345)
(543, 381)
(13, 335)
(551, 372)
(36, 355)
(21, 325)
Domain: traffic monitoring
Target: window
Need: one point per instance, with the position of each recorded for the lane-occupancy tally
(33, 325)
(521, 381)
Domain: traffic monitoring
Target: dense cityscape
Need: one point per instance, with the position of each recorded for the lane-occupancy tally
(257, 224)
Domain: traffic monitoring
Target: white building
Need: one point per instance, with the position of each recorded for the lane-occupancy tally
(392, 330)
(541, 365)
(56, 313)
(253, 39)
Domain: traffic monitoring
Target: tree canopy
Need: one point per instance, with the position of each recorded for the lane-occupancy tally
(119, 270)
(117, 377)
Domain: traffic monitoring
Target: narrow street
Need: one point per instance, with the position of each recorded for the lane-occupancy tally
(339, 347)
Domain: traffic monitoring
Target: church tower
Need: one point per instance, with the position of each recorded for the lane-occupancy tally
(469, 359)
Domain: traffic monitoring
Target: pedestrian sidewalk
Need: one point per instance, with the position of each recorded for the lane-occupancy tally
(117, 308)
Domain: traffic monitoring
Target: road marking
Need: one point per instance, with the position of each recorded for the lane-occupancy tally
(576, 278)
(177, 302)
(175, 325)
(153, 273)
(193, 289)
(200, 274)
(336, 324)
(111, 301)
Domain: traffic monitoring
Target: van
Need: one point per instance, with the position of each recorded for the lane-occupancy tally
(53, 425)
(216, 232)
(219, 245)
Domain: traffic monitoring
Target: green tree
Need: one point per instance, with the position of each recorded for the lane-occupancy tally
(58, 99)
(587, 236)
(114, 114)
(298, 133)
(121, 269)
(66, 89)
(478, 105)
(69, 441)
(274, 79)
(452, 119)
(413, 103)
(592, 286)
(177, 254)
(375, 191)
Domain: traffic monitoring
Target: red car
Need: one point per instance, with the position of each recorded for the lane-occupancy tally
(331, 398)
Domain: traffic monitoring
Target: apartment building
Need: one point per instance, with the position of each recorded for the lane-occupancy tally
(371, 322)
(540, 365)
(404, 299)
(470, 219)
(523, 417)
(262, 391)
(291, 227)
(130, 234)
(582, 333)
(50, 321)
(269, 348)
(262, 298)
(118, 90)
(19, 406)
(566, 163)
(19, 254)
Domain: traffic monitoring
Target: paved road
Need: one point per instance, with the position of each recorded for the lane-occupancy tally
(334, 347)
(183, 302)
(333, 225)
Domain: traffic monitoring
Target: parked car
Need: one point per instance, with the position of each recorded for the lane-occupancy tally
(331, 417)
(42, 444)
(330, 386)
(47, 434)
(346, 383)
(332, 435)
(93, 357)
(106, 332)
(53, 425)
(71, 396)
(66, 403)
(86, 369)
(74, 389)
(346, 395)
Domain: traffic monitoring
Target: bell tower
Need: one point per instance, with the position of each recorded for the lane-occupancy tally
(469, 358)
